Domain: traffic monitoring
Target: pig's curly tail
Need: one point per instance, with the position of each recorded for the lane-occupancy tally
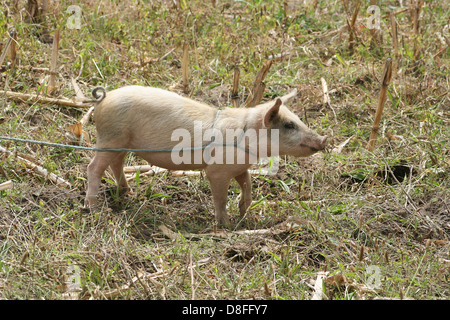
(99, 97)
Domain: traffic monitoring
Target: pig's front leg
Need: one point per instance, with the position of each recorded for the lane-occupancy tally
(219, 181)
(245, 183)
(116, 166)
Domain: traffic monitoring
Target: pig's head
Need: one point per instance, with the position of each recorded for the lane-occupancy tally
(295, 138)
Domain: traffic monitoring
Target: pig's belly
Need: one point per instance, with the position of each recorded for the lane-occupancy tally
(168, 161)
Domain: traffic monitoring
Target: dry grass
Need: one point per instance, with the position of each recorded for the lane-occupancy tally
(336, 212)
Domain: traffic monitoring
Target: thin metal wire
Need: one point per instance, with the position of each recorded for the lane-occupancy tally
(61, 145)
(212, 142)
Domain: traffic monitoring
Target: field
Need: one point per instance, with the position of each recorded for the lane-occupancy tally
(372, 225)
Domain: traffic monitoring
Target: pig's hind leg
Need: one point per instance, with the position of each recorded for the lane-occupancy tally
(95, 171)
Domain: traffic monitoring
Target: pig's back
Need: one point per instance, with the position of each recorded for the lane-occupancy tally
(147, 99)
(135, 113)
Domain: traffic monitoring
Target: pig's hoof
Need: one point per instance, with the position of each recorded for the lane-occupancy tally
(125, 190)
(224, 223)
(90, 204)
(119, 191)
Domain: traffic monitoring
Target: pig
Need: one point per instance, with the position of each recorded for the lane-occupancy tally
(137, 117)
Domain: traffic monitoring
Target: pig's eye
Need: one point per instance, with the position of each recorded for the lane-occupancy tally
(290, 125)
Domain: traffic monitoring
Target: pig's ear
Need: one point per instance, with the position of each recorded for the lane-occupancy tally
(272, 113)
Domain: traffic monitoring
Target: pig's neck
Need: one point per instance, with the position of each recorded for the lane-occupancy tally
(238, 118)
(245, 120)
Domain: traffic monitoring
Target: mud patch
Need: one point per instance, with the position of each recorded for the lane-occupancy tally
(431, 220)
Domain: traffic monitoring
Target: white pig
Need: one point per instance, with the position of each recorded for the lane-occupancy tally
(136, 117)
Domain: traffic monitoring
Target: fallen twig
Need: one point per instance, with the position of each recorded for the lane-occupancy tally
(140, 276)
(392, 298)
(280, 56)
(40, 171)
(79, 96)
(141, 169)
(169, 233)
(338, 149)
(166, 54)
(395, 12)
(148, 170)
(86, 117)
(290, 224)
(326, 97)
(145, 171)
(6, 185)
(318, 286)
(33, 98)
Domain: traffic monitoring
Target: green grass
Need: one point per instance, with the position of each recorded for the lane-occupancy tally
(322, 209)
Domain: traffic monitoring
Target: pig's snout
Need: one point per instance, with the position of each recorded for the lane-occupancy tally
(316, 142)
(322, 142)
(311, 143)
